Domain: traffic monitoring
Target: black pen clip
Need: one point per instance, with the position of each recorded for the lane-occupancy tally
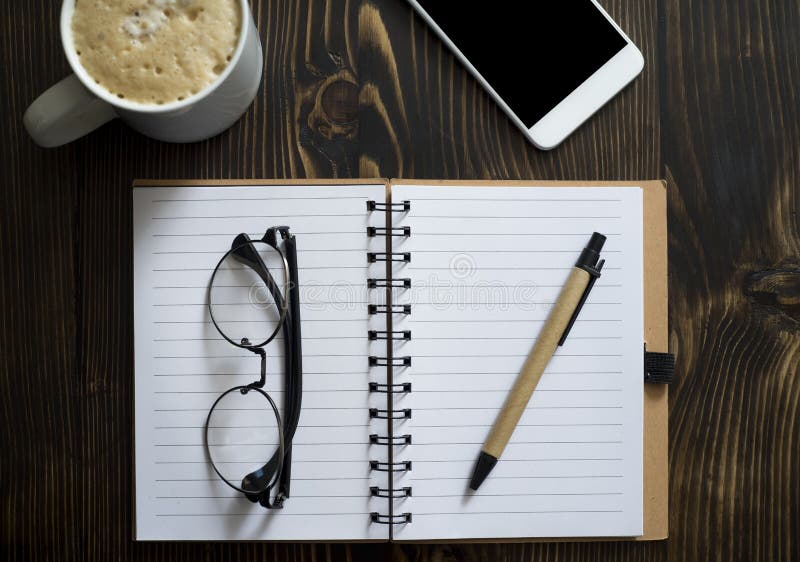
(594, 275)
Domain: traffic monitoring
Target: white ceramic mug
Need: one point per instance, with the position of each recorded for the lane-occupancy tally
(77, 105)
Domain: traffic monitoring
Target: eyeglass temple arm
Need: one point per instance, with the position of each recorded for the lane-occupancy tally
(294, 358)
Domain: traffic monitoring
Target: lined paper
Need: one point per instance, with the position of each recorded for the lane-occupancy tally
(183, 364)
(487, 264)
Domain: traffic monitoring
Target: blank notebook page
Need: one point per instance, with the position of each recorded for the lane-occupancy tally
(183, 364)
(486, 266)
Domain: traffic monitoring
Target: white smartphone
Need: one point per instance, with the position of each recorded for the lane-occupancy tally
(549, 64)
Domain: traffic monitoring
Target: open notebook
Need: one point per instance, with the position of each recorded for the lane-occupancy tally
(462, 277)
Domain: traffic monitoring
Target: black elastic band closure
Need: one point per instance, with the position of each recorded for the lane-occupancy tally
(383, 309)
(375, 283)
(383, 519)
(397, 335)
(404, 492)
(373, 257)
(659, 368)
(394, 207)
(387, 388)
(376, 413)
(373, 231)
(397, 440)
(394, 362)
(402, 466)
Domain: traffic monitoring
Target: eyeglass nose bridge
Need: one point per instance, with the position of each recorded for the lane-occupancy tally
(261, 352)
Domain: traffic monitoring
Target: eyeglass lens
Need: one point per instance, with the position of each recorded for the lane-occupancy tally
(246, 294)
(242, 436)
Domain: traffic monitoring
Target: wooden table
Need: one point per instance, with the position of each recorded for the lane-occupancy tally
(360, 88)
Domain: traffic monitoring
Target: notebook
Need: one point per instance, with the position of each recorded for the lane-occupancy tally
(419, 302)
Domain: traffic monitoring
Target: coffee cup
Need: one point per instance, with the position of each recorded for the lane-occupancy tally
(79, 104)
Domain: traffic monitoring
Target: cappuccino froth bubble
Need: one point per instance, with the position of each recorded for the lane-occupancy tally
(155, 51)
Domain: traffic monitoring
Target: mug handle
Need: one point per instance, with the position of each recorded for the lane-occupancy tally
(65, 112)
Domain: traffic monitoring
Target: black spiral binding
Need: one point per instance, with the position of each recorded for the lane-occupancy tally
(404, 361)
(374, 257)
(400, 335)
(377, 413)
(402, 207)
(377, 492)
(398, 283)
(373, 231)
(398, 519)
(397, 440)
(391, 362)
(402, 466)
(395, 309)
(384, 388)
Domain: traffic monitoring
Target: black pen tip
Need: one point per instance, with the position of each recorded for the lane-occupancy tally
(484, 466)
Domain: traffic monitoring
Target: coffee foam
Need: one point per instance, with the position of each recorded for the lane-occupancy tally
(155, 51)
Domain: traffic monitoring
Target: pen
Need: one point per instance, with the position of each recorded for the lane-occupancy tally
(553, 334)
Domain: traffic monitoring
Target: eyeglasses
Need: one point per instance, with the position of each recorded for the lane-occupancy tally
(253, 299)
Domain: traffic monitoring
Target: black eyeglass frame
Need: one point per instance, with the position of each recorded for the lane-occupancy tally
(289, 320)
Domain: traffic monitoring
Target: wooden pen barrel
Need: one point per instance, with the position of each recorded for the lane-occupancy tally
(537, 361)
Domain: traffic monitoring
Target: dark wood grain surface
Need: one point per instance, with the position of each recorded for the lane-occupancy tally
(363, 88)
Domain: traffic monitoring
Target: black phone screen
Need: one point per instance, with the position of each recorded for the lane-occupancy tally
(534, 54)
